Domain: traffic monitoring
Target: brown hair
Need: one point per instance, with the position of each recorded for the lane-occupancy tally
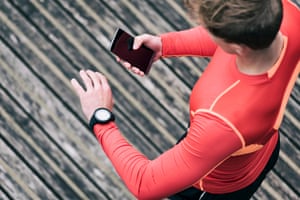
(254, 23)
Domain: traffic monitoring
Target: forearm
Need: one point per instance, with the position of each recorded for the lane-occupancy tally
(163, 176)
(146, 179)
(129, 163)
(191, 42)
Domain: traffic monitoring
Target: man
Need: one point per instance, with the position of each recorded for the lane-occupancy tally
(236, 106)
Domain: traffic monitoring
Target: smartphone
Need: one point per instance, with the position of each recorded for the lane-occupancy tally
(121, 45)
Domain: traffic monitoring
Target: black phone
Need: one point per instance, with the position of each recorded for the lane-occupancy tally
(121, 45)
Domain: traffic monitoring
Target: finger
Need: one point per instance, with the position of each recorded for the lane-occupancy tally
(94, 78)
(138, 41)
(127, 65)
(137, 71)
(86, 80)
(104, 82)
(107, 93)
(77, 87)
(141, 73)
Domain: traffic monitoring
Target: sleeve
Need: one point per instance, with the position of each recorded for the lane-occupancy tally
(191, 42)
(175, 169)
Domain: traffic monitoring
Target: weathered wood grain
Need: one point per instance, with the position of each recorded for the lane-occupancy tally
(4, 195)
(14, 168)
(47, 151)
(58, 158)
(124, 91)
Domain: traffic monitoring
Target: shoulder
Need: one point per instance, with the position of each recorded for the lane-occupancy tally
(291, 17)
(290, 25)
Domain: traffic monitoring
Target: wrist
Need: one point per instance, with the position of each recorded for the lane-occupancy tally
(101, 116)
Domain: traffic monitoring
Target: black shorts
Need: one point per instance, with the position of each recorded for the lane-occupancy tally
(244, 194)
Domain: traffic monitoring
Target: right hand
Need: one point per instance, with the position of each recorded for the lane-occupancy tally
(151, 41)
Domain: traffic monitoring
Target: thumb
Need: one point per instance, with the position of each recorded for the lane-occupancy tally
(138, 41)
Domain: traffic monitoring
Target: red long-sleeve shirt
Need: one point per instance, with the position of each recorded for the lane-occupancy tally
(234, 121)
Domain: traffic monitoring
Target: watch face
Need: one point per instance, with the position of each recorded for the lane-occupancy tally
(102, 115)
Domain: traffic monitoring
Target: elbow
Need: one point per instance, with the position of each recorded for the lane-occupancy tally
(141, 195)
(146, 195)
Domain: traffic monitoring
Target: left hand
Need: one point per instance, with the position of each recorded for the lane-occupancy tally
(97, 94)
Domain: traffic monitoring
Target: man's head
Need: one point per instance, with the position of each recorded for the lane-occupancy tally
(254, 23)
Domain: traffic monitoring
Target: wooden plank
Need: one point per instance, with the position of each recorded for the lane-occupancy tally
(296, 91)
(4, 195)
(33, 64)
(63, 137)
(182, 67)
(65, 49)
(291, 123)
(48, 162)
(50, 80)
(297, 2)
(156, 83)
(266, 192)
(14, 169)
(278, 189)
(49, 72)
(41, 169)
(45, 43)
(85, 11)
(124, 91)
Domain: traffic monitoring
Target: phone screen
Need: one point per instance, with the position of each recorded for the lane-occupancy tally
(121, 46)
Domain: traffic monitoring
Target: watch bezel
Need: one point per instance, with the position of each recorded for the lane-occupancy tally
(95, 120)
(102, 114)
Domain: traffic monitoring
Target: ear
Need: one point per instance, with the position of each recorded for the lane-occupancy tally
(240, 49)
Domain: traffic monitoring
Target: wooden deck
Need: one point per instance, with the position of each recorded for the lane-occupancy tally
(46, 149)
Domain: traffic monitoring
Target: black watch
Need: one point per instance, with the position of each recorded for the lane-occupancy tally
(101, 116)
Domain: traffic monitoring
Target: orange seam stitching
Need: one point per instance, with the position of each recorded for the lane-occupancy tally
(235, 130)
(223, 93)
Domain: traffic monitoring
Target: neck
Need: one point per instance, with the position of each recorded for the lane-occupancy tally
(256, 62)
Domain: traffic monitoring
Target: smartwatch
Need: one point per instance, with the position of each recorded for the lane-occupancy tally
(101, 116)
